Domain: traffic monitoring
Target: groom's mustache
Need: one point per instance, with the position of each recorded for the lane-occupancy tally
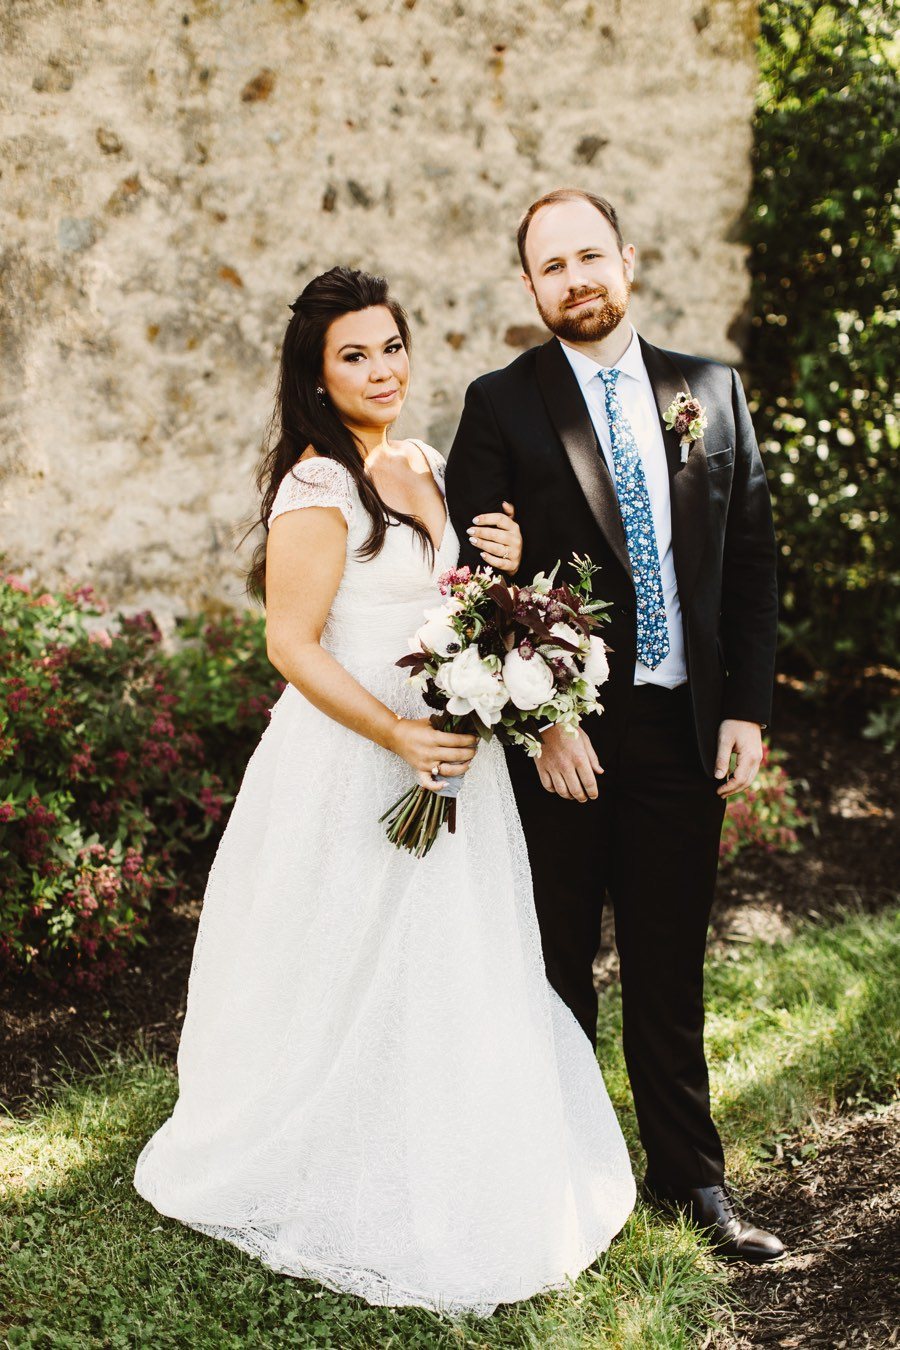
(579, 297)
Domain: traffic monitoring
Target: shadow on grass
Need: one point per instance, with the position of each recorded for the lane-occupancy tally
(90, 1263)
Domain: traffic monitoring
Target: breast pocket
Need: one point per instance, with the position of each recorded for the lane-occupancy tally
(720, 459)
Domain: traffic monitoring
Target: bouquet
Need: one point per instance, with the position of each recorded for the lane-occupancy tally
(501, 660)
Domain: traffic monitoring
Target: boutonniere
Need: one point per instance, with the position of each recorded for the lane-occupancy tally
(687, 417)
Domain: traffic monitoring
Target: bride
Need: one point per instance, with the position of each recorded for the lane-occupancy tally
(379, 1090)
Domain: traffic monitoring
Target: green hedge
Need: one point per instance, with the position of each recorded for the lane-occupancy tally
(822, 345)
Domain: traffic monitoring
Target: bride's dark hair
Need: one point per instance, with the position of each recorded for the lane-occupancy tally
(302, 418)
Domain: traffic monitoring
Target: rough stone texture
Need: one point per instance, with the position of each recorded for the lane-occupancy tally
(172, 174)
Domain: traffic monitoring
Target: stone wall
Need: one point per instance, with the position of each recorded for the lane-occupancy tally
(173, 174)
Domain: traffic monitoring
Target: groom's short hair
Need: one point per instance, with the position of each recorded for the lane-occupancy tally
(605, 208)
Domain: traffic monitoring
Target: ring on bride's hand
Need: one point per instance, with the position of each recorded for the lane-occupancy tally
(436, 773)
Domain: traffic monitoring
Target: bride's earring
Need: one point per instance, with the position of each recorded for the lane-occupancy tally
(321, 392)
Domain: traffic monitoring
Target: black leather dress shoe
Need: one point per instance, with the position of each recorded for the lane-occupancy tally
(712, 1209)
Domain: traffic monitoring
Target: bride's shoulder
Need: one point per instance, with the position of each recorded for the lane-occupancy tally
(434, 457)
(315, 480)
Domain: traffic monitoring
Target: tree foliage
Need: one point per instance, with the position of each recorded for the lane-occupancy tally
(823, 343)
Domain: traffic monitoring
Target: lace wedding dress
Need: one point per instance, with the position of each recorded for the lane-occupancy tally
(378, 1088)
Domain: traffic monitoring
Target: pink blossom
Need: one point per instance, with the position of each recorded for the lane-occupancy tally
(81, 593)
(38, 813)
(82, 762)
(455, 576)
(211, 802)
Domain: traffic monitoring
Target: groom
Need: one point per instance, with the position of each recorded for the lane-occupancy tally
(574, 433)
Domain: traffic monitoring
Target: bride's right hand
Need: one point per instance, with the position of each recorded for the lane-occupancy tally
(416, 741)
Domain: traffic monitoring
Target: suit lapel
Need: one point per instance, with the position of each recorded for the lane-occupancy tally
(569, 415)
(688, 483)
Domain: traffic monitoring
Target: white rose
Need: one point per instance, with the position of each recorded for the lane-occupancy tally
(564, 633)
(528, 679)
(596, 667)
(567, 634)
(438, 635)
(473, 687)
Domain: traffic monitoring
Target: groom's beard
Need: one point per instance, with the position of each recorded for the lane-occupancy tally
(591, 322)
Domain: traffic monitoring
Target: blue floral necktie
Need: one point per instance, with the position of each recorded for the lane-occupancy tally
(640, 536)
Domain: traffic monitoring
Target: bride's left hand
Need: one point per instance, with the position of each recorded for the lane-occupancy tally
(498, 538)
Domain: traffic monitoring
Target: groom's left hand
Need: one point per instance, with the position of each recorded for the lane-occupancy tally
(744, 741)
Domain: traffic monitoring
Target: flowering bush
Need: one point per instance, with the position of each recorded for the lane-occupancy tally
(225, 686)
(114, 775)
(767, 815)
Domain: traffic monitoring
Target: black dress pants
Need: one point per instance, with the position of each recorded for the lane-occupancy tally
(649, 844)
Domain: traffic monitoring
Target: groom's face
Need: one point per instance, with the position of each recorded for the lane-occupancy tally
(579, 277)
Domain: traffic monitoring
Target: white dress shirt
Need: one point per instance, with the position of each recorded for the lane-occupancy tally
(639, 406)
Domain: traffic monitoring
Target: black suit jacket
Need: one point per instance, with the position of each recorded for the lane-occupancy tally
(526, 436)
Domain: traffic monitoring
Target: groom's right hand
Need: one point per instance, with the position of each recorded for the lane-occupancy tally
(568, 765)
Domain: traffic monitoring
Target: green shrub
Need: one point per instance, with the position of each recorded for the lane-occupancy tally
(884, 725)
(822, 345)
(766, 816)
(114, 773)
(225, 686)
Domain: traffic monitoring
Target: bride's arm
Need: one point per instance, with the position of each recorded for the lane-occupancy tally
(304, 563)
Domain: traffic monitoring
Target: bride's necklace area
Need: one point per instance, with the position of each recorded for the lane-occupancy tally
(391, 457)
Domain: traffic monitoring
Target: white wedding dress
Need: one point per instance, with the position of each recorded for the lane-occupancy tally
(378, 1088)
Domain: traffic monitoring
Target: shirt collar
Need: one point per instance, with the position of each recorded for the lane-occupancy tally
(631, 362)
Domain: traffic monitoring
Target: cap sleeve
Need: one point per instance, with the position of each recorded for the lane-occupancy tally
(436, 461)
(314, 482)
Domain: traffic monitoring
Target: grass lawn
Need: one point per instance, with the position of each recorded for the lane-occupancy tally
(794, 1029)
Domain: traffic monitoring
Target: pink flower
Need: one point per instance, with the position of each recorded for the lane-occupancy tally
(38, 813)
(211, 802)
(7, 811)
(101, 638)
(456, 576)
(82, 762)
(132, 863)
(81, 593)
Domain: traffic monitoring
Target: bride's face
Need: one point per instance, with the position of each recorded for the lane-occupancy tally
(365, 368)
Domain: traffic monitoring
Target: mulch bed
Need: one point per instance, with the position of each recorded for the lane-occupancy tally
(838, 1213)
(848, 788)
